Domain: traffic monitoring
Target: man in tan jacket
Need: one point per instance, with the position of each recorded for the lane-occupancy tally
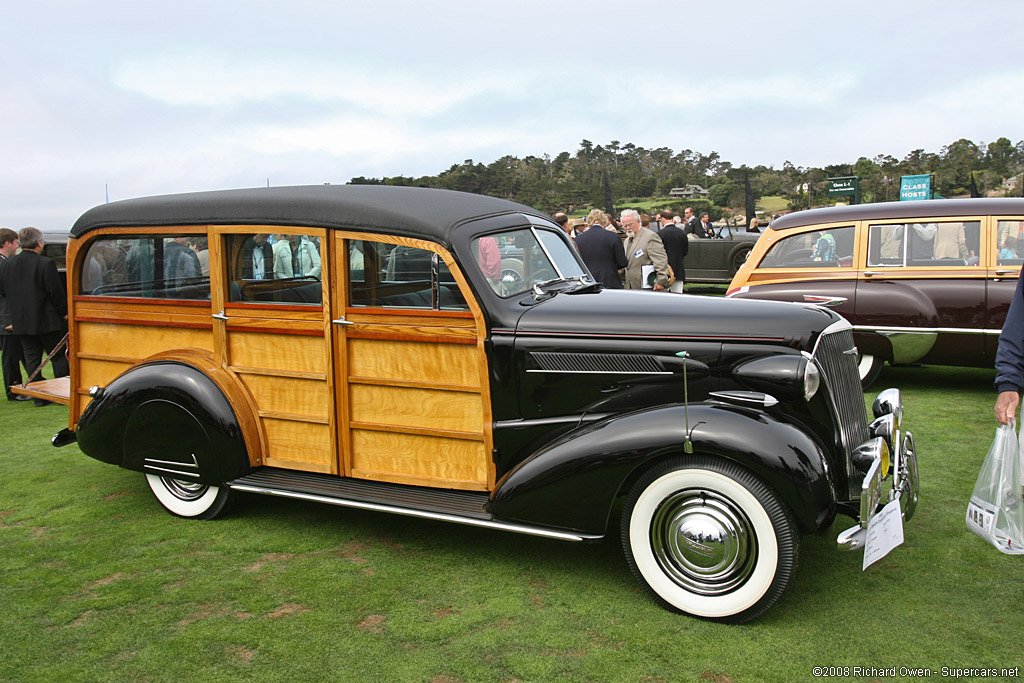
(643, 248)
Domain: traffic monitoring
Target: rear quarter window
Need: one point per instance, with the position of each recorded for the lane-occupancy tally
(826, 248)
(147, 266)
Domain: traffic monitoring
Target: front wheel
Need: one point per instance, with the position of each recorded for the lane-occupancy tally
(706, 537)
(188, 498)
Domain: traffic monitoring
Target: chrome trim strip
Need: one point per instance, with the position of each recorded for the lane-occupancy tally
(169, 471)
(597, 372)
(194, 463)
(837, 326)
(422, 514)
(757, 397)
(926, 330)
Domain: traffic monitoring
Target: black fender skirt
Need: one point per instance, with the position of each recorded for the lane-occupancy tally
(574, 482)
(166, 418)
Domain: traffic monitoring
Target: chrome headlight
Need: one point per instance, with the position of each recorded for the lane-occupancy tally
(812, 380)
(786, 375)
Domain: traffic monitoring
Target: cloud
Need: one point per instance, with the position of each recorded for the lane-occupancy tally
(207, 80)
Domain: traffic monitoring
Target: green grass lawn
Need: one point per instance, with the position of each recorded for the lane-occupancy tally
(772, 204)
(100, 584)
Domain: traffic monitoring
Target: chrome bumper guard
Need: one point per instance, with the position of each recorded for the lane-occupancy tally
(884, 480)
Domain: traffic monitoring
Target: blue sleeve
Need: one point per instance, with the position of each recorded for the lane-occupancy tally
(1010, 356)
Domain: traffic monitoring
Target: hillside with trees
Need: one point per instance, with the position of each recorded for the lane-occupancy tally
(615, 175)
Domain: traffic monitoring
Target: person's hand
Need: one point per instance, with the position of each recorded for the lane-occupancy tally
(1006, 406)
(659, 288)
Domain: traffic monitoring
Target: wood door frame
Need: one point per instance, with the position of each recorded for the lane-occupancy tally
(432, 326)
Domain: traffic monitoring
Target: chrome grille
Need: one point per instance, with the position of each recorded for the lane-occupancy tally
(836, 357)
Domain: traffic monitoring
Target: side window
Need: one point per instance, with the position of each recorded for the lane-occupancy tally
(1010, 243)
(147, 266)
(274, 268)
(939, 244)
(397, 276)
(828, 248)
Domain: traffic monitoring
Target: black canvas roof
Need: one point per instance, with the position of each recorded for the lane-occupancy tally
(933, 208)
(410, 211)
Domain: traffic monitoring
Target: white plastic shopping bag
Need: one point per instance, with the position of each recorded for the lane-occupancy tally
(996, 511)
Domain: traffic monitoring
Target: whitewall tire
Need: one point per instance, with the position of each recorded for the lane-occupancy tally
(869, 367)
(708, 538)
(189, 499)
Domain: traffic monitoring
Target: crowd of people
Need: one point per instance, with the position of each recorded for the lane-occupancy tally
(640, 251)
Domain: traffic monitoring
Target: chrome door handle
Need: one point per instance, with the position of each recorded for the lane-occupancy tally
(869, 273)
(1005, 272)
(342, 322)
(825, 300)
(219, 316)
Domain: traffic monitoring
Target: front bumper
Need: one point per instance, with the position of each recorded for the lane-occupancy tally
(889, 463)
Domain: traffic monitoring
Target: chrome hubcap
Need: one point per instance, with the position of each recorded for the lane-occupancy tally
(184, 490)
(703, 541)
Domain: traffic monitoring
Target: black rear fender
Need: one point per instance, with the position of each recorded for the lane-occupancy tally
(166, 418)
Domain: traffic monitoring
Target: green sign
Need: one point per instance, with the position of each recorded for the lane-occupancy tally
(841, 186)
(916, 187)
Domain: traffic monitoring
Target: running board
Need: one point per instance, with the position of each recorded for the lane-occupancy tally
(460, 507)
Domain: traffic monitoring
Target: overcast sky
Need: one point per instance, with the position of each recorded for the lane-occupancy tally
(139, 98)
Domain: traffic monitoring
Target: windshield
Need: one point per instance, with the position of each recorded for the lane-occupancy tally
(516, 260)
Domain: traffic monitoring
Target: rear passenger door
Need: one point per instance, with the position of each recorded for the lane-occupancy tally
(923, 286)
(413, 403)
(272, 330)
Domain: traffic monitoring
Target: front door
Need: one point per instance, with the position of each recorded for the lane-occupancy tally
(412, 397)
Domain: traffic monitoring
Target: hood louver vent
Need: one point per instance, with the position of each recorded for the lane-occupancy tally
(603, 363)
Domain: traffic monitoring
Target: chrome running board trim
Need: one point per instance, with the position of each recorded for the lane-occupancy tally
(422, 514)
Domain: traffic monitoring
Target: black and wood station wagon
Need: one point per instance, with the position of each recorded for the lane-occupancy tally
(360, 346)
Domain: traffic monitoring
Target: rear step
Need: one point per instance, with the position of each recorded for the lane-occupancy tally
(461, 507)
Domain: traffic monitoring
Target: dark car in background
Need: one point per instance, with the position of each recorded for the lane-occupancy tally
(716, 260)
(409, 375)
(925, 282)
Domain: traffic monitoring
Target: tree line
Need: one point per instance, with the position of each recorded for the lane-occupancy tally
(611, 175)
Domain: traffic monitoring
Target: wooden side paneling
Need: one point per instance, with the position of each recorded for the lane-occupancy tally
(138, 341)
(422, 362)
(419, 459)
(413, 407)
(92, 371)
(305, 399)
(299, 353)
(298, 445)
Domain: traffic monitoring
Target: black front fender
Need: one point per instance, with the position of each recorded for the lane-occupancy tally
(573, 483)
(165, 418)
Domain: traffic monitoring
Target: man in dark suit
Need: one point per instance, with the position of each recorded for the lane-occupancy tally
(37, 303)
(602, 251)
(693, 226)
(9, 341)
(677, 246)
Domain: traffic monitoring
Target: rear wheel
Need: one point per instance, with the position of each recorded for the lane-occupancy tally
(707, 538)
(869, 367)
(188, 498)
(738, 256)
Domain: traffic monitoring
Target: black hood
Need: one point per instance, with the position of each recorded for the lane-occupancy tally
(655, 315)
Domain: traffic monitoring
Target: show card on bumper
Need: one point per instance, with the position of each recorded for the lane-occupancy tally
(885, 532)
